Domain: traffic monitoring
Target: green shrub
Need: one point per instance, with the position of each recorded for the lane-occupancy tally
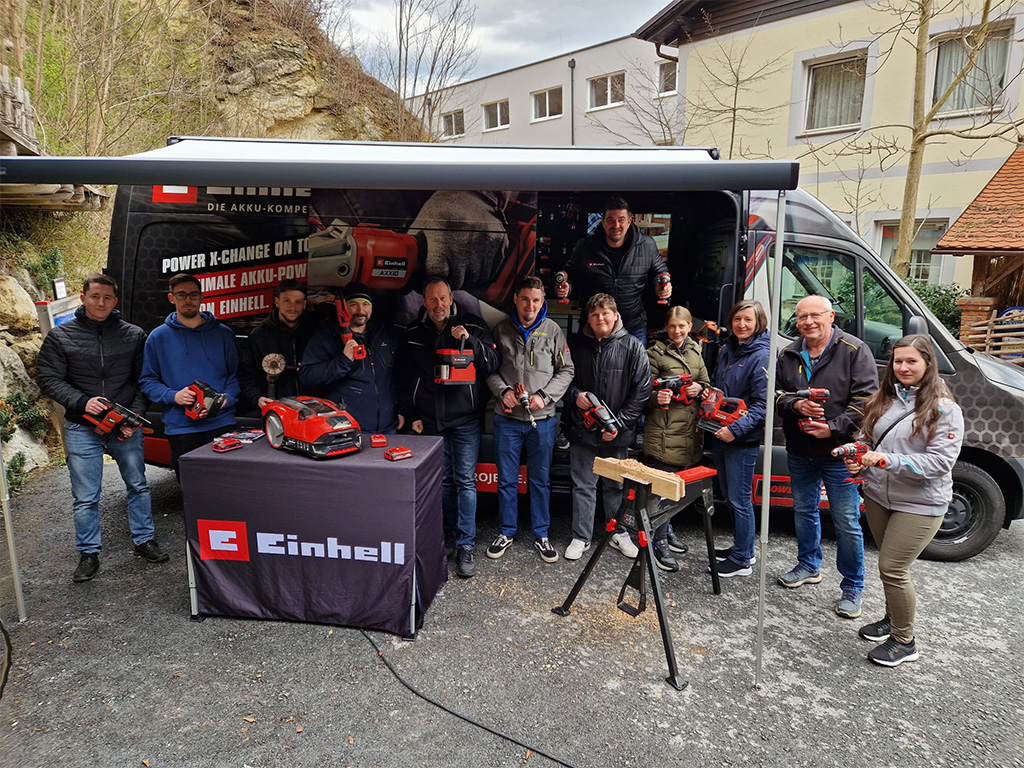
(941, 300)
(17, 410)
(16, 473)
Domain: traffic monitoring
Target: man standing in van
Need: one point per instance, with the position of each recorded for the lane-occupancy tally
(824, 358)
(435, 398)
(621, 261)
(535, 364)
(285, 332)
(87, 365)
(191, 345)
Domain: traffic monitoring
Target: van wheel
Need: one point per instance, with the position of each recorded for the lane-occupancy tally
(974, 518)
(274, 429)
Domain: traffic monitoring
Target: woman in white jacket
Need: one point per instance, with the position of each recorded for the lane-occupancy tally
(913, 430)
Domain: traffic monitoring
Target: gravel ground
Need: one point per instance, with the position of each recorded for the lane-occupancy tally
(114, 673)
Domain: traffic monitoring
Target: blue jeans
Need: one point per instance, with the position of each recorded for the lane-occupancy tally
(84, 449)
(806, 476)
(509, 437)
(735, 465)
(458, 483)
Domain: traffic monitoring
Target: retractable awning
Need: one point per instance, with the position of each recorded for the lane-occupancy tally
(329, 164)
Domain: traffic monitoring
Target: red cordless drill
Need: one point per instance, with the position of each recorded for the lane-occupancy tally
(815, 395)
(561, 278)
(519, 390)
(344, 321)
(113, 418)
(717, 410)
(598, 415)
(854, 451)
(663, 279)
(676, 385)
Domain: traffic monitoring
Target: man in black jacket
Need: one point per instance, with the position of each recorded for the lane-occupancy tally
(824, 357)
(452, 410)
(621, 261)
(85, 365)
(286, 331)
(613, 365)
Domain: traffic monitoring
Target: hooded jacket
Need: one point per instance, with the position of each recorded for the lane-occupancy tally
(591, 271)
(366, 386)
(268, 337)
(84, 359)
(918, 475)
(846, 368)
(177, 355)
(671, 435)
(615, 369)
(742, 371)
(443, 405)
(536, 356)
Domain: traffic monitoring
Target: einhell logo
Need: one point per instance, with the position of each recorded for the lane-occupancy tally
(222, 540)
(228, 540)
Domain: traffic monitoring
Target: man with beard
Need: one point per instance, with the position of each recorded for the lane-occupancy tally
(191, 345)
(366, 386)
(285, 332)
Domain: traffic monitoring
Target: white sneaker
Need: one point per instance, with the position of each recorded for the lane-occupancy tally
(625, 545)
(576, 549)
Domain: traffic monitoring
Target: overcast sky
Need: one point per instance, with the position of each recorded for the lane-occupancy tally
(516, 32)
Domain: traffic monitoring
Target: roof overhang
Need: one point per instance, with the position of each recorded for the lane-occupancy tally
(361, 165)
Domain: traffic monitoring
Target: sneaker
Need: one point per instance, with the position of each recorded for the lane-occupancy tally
(547, 553)
(876, 632)
(892, 653)
(725, 554)
(576, 549)
(798, 577)
(561, 441)
(729, 568)
(676, 544)
(88, 565)
(625, 545)
(464, 565)
(848, 606)
(151, 552)
(497, 549)
(663, 557)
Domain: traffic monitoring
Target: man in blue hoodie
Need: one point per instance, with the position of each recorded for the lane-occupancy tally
(191, 345)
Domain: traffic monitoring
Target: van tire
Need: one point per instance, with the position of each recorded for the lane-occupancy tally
(975, 516)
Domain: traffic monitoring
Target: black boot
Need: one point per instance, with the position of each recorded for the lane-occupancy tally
(464, 565)
(676, 544)
(663, 557)
(88, 565)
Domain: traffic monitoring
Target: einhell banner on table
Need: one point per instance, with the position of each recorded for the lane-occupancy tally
(355, 541)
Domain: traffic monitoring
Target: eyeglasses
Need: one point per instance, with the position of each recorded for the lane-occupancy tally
(191, 295)
(812, 316)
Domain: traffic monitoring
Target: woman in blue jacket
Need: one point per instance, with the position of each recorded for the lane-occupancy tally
(742, 371)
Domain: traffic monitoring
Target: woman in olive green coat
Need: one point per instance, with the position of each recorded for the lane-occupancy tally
(671, 438)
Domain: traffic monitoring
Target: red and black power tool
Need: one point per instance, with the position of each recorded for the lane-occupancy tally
(519, 390)
(818, 395)
(663, 279)
(597, 415)
(208, 401)
(380, 258)
(854, 451)
(273, 365)
(455, 366)
(561, 278)
(708, 331)
(676, 384)
(113, 419)
(344, 321)
(717, 410)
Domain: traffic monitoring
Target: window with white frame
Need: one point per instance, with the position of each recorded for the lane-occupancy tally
(835, 93)
(981, 89)
(607, 90)
(667, 77)
(496, 115)
(453, 123)
(547, 103)
(924, 265)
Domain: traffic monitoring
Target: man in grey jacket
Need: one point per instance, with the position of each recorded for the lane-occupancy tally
(535, 361)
